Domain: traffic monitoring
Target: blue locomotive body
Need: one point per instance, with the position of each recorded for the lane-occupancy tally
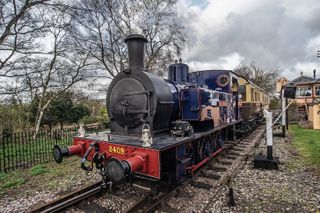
(205, 96)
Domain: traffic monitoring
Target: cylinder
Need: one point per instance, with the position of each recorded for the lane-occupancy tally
(136, 44)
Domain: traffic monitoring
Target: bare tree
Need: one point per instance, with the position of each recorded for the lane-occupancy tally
(262, 78)
(39, 57)
(101, 26)
(47, 46)
(20, 25)
(60, 68)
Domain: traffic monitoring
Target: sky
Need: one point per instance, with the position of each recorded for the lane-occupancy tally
(279, 35)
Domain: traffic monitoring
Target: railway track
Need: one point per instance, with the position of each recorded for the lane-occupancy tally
(69, 199)
(218, 171)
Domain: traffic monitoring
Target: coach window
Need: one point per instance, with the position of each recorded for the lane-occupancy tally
(252, 94)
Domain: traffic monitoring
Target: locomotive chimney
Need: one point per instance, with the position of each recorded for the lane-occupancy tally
(314, 73)
(135, 44)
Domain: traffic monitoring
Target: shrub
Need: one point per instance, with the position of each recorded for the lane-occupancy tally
(37, 170)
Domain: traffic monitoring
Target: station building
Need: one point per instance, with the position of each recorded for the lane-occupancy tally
(307, 97)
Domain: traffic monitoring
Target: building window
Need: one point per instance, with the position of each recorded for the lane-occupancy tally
(303, 91)
(317, 90)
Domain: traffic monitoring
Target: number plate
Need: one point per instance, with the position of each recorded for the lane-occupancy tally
(116, 150)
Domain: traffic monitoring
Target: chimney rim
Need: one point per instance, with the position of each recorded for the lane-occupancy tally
(135, 36)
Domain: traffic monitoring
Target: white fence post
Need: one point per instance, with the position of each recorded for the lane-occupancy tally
(269, 135)
(283, 117)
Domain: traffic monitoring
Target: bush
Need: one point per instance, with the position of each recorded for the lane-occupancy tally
(89, 119)
(37, 170)
(274, 104)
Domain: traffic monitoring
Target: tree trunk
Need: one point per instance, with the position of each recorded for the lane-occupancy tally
(39, 117)
(38, 122)
(50, 127)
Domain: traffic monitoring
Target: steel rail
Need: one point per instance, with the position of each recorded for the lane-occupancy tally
(69, 199)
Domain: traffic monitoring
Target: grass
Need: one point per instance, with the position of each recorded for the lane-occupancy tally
(45, 175)
(37, 170)
(10, 180)
(307, 142)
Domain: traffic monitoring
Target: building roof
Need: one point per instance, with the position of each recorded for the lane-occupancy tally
(316, 81)
(302, 80)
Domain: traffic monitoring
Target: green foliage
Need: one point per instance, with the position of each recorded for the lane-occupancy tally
(100, 117)
(13, 117)
(274, 104)
(90, 119)
(78, 112)
(307, 141)
(37, 170)
(16, 116)
(61, 110)
(13, 183)
(10, 180)
(3, 175)
(104, 119)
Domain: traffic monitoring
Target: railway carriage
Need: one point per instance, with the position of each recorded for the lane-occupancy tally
(254, 99)
(163, 130)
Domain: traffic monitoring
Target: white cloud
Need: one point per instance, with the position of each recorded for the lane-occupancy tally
(226, 62)
(275, 34)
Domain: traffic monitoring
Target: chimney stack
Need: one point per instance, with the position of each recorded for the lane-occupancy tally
(301, 73)
(136, 44)
(314, 73)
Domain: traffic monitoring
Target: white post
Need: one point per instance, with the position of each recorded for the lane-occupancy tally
(268, 116)
(283, 118)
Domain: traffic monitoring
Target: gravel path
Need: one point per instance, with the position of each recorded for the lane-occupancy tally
(292, 188)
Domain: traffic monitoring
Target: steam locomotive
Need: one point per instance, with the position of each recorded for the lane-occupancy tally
(163, 130)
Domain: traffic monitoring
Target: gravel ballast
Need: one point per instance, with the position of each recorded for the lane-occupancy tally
(295, 187)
